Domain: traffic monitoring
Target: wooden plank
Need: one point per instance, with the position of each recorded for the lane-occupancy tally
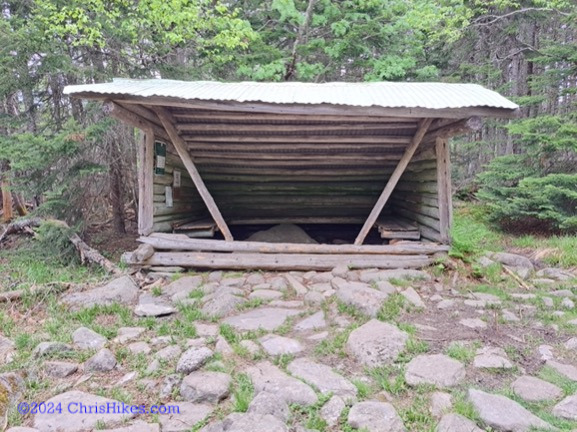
(393, 180)
(308, 162)
(165, 242)
(295, 147)
(410, 186)
(430, 234)
(286, 262)
(432, 212)
(395, 224)
(420, 218)
(145, 154)
(180, 146)
(444, 188)
(299, 128)
(290, 157)
(222, 116)
(133, 119)
(402, 235)
(352, 139)
(430, 200)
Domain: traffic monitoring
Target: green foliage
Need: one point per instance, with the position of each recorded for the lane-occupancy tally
(243, 392)
(471, 234)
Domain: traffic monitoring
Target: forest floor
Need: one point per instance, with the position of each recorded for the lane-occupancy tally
(462, 345)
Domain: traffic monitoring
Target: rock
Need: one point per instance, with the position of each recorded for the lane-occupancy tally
(231, 281)
(7, 350)
(102, 361)
(168, 353)
(562, 293)
(340, 271)
(456, 423)
(503, 414)
(253, 422)
(567, 408)
(279, 284)
(210, 387)
(548, 301)
(283, 233)
(127, 334)
(11, 390)
(555, 273)
(126, 378)
(137, 426)
(318, 336)
(149, 306)
(59, 369)
(266, 403)
(161, 341)
(512, 260)
(533, 389)
(74, 419)
(314, 298)
(413, 297)
(222, 303)
(367, 300)
(446, 304)
(279, 345)
(265, 294)
(474, 323)
(510, 316)
(491, 358)
(122, 290)
(50, 348)
(283, 304)
(294, 283)
(263, 318)
(313, 322)
(139, 348)
(269, 378)
(182, 287)
(386, 287)
(168, 385)
(223, 347)
(485, 262)
(568, 371)
(250, 346)
(22, 429)
(376, 343)
(571, 344)
(568, 303)
(524, 296)
(441, 404)
(332, 410)
(375, 417)
(436, 369)
(207, 330)
(386, 275)
(187, 415)
(545, 352)
(192, 359)
(322, 377)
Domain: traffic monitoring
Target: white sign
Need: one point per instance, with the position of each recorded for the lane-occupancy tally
(168, 196)
(176, 179)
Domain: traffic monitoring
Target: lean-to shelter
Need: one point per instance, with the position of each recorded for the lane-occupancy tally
(372, 157)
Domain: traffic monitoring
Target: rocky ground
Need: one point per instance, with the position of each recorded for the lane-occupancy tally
(374, 350)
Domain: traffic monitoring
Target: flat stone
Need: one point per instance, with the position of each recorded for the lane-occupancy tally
(509, 316)
(456, 423)
(269, 378)
(503, 414)
(50, 348)
(446, 304)
(250, 346)
(263, 318)
(22, 429)
(169, 384)
(545, 352)
(149, 306)
(223, 347)
(512, 260)
(367, 300)
(168, 353)
(265, 294)
(279, 345)
(413, 297)
(122, 290)
(253, 422)
(319, 336)
(332, 410)
(192, 359)
(375, 417)
(322, 377)
(376, 343)
(533, 389)
(567, 408)
(564, 293)
(7, 350)
(209, 387)
(231, 281)
(523, 296)
(555, 273)
(474, 323)
(182, 287)
(314, 298)
(207, 330)
(72, 419)
(341, 271)
(139, 348)
(296, 285)
(485, 262)
(266, 403)
(161, 341)
(137, 426)
(571, 344)
(385, 287)
(491, 358)
(441, 404)
(548, 301)
(313, 322)
(279, 283)
(568, 303)
(287, 304)
(387, 275)
(437, 369)
(59, 369)
(126, 378)
(568, 371)
(127, 334)
(255, 279)
(222, 305)
(102, 361)
(187, 415)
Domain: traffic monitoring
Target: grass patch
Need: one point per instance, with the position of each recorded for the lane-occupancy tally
(310, 416)
(243, 392)
(465, 408)
(471, 233)
(564, 248)
(364, 389)
(251, 304)
(390, 378)
(417, 417)
(463, 352)
(392, 308)
(549, 374)
(335, 345)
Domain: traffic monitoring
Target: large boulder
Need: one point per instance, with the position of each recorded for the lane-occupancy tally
(121, 290)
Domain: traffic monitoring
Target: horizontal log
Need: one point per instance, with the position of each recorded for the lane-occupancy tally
(431, 234)
(213, 178)
(166, 243)
(352, 139)
(127, 116)
(301, 128)
(261, 170)
(408, 186)
(297, 220)
(430, 200)
(286, 262)
(222, 116)
(296, 147)
(432, 212)
(359, 163)
(420, 218)
(289, 157)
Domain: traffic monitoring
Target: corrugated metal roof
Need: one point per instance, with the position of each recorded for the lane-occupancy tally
(380, 94)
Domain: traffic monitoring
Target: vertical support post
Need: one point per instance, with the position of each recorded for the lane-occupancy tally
(145, 181)
(444, 191)
(393, 180)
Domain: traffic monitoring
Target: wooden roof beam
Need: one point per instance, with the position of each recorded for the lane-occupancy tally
(393, 180)
(181, 149)
(113, 109)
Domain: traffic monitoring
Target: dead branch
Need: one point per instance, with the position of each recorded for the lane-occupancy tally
(9, 296)
(20, 225)
(517, 278)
